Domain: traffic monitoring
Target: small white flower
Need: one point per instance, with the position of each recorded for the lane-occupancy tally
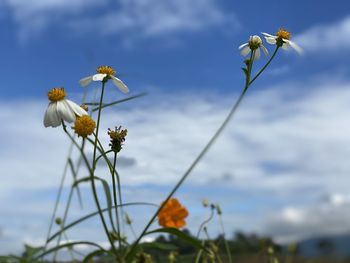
(254, 43)
(102, 73)
(61, 109)
(282, 39)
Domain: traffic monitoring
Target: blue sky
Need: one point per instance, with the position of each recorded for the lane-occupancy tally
(279, 169)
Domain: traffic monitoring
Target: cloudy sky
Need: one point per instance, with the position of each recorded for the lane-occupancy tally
(280, 168)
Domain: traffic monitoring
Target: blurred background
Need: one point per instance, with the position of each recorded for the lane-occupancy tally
(281, 167)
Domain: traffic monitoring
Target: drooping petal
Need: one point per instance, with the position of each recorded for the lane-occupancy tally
(245, 51)
(98, 77)
(242, 46)
(85, 81)
(51, 117)
(264, 50)
(296, 47)
(271, 40)
(286, 45)
(64, 111)
(257, 54)
(122, 87)
(76, 109)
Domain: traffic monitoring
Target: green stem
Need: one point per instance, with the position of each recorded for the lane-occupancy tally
(91, 171)
(208, 145)
(115, 201)
(205, 222)
(93, 186)
(264, 67)
(228, 251)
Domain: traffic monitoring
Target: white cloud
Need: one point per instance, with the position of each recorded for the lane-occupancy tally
(328, 37)
(283, 142)
(129, 18)
(295, 223)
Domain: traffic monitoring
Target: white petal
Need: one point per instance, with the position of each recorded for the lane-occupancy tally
(245, 51)
(296, 47)
(267, 35)
(76, 109)
(264, 50)
(271, 40)
(85, 81)
(257, 54)
(98, 77)
(64, 111)
(51, 117)
(243, 45)
(286, 45)
(119, 84)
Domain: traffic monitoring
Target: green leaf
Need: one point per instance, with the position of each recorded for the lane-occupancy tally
(92, 255)
(183, 236)
(68, 245)
(118, 101)
(31, 251)
(82, 219)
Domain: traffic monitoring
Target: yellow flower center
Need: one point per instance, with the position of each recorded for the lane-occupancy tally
(106, 70)
(56, 94)
(282, 33)
(84, 126)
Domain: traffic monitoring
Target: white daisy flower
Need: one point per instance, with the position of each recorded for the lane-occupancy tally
(61, 109)
(282, 39)
(102, 73)
(254, 43)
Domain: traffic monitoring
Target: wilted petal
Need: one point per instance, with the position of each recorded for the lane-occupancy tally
(120, 84)
(245, 51)
(264, 50)
(257, 54)
(85, 81)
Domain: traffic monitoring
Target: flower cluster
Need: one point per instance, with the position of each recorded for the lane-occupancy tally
(281, 39)
(172, 214)
(117, 138)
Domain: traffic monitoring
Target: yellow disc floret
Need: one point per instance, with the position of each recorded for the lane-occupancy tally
(282, 33)
(56, 94)
(84, 126)
(106, 70)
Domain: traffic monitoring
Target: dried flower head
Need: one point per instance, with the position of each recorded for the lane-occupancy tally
(84, 126)
(172, 214)
(117, 138)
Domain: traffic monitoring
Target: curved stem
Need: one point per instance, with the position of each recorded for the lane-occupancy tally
(205, 222)
(264, 67)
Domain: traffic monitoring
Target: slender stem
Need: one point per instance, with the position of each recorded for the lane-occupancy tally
(58, 197)
(205, 222)
(264, 67)
(228, 251)
(64, 219)
(115, 201)
(93, 186)
(209, 144)
(91, 171)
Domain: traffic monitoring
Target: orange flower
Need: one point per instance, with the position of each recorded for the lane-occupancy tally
(173, 214)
